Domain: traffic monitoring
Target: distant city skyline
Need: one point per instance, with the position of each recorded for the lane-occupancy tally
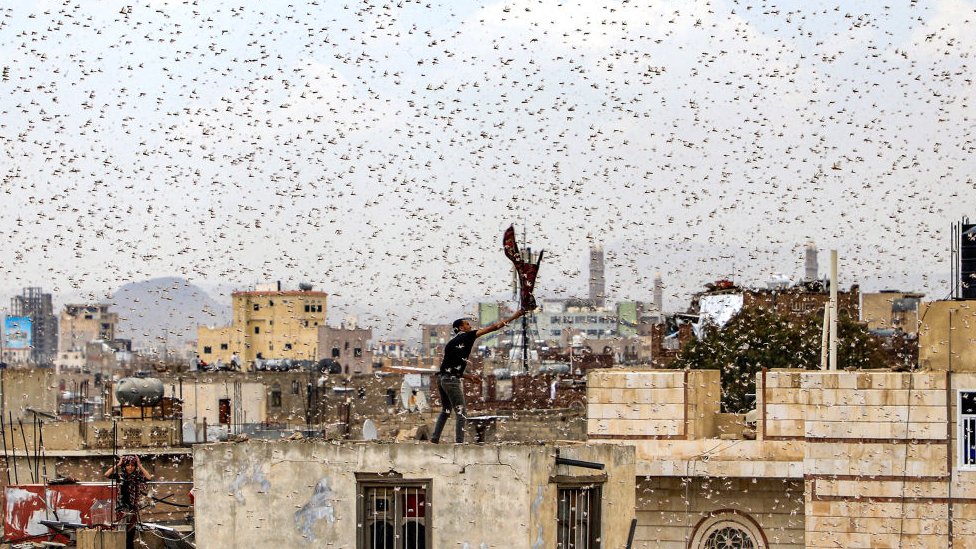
(378, 151)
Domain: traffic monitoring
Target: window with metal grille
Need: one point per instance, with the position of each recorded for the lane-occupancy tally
(728, 529)
(967, 430)
(393, 514)
(578, 517)
(729, 537)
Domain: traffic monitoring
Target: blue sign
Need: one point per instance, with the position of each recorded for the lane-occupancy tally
(17, 332)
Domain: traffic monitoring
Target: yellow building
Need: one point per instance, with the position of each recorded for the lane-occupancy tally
(889, 310)
(266, 325)
(947, 335)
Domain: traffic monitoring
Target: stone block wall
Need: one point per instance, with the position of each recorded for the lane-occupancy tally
(677, 513)
(781, 405)
(879, 465)
(652, 404)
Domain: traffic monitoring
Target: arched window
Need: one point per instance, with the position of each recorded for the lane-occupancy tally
(728, 529)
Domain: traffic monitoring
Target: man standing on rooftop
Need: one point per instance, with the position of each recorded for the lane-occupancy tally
(450, 376)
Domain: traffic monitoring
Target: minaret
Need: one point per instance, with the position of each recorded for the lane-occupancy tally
(810, 263)
(658, 292)
(598, 284)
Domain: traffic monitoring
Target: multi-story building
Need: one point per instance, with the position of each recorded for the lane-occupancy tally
(267, 324)
(31, 329)
(891, 310)
(556, 320)
(433, 337)
(349, 346)
(80, 324)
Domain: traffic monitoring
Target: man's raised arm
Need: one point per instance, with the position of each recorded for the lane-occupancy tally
(495, 326)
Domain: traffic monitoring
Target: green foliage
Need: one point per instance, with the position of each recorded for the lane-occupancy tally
(756, 339)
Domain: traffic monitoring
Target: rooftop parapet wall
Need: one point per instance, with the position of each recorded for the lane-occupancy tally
(860, 406)
(652, 404)
(296, 494)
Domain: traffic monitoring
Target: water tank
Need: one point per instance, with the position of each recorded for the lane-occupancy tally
(133, 391)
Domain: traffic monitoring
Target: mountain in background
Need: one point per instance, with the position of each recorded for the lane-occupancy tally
(164, 312)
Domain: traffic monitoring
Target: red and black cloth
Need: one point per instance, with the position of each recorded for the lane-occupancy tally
(526, 271)
(131, 485)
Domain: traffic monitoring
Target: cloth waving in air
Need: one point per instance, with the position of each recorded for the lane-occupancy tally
(526, 271)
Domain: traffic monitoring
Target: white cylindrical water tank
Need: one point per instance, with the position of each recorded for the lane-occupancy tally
(139, 391)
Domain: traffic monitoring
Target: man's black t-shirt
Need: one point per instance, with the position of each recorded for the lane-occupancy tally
(456, 353)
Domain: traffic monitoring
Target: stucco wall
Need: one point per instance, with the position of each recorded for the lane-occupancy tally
(295, 494)
(936, 350)
(34, 388)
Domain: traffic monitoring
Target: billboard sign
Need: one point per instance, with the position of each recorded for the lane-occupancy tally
(17, 332)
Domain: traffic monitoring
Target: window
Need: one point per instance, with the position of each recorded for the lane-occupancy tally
(257, 329)
(276, 396)
(729, 536)
(393, 513)
(578, 517)
(294, 387)
(335, 352)
(257, 307)
(223, 346)
(357, 353)
(223, 411)
(207, 349)
(727, 530)
(287, 346)
(967, 430)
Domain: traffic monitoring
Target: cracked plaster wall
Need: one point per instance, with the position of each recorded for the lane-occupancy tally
(292, 493)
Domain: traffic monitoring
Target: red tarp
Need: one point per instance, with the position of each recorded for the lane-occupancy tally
(28, 504)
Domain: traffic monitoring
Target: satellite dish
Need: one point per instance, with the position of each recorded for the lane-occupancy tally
(369, 430)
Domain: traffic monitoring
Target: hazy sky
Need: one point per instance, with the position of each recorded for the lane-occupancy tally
(378, 150)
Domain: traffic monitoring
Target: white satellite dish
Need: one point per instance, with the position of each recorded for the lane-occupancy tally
(369, 430)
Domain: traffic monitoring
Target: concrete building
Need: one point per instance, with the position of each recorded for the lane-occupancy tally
(267, 324)
(79, 325)
(297, 494)
(433, 337)
(32, 317)
(556, 320)
(891, 310)
(392, 348)
(349, 346)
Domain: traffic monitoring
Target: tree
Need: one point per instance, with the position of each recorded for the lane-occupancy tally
(757, 338)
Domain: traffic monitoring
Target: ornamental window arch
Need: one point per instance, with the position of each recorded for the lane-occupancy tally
(728, 529)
